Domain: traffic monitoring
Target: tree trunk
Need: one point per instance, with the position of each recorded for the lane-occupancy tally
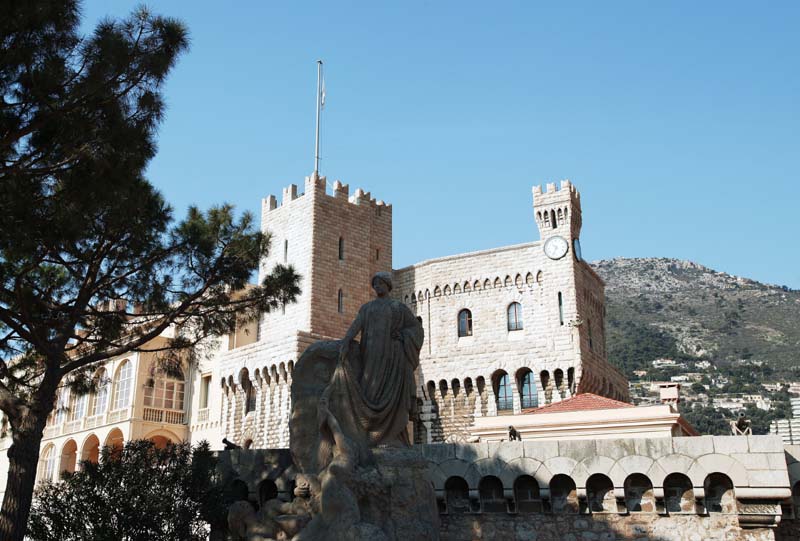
(23, 456)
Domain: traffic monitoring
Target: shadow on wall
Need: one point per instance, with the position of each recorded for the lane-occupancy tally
(522, 502)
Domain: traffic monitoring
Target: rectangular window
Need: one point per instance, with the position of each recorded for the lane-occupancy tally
(285, 251)
(341, 249)
(205, 387)
(560, 309)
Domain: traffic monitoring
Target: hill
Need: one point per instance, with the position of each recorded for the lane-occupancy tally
(658, 307)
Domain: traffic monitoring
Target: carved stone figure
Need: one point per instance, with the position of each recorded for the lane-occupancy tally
(349, 397)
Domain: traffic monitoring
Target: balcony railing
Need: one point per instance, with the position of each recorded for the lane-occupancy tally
(202, 415)
(163, 416)
(154, 415)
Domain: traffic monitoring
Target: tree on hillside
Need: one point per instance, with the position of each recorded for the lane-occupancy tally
(138, 493)
(92, 262)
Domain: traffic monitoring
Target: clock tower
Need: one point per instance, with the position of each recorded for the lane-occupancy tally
(558, 211)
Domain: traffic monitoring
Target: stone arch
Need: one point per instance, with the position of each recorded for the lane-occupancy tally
(639, 495)
(520, 466)
(508, 282)
(490, 493)
(560, 465)
(563, 495)
(413, 298)
(453, 467)
(540, 278)
(529, 279)
(498, 283)
(482, 468)
(719, 494)
(437, 291)
(600, 494)
(457, 289)
(47, 467)
(527, 496)
(487, 284)
(595, 464)
(455, 385)
(715, 462)
(468, 386)
(162, 437)
(518, 281)
(267, 490)
(427, 294)
(456, 495)
(678, 494)
(90, 450)
(447, 290)
(431, 388)
(476, 285)
(466, 287)
(69, 456)
(443, 388)
(115, 441)
(630, 464)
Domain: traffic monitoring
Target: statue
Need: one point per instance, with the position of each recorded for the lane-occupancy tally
(376, 379)
(350, 397)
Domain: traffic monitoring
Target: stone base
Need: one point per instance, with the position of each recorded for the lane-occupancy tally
(409, 511)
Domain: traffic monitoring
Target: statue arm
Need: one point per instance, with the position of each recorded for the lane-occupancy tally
(350, 335)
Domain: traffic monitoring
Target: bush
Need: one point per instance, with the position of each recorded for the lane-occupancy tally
(136, 493)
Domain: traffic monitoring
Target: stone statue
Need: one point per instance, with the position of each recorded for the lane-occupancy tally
(351, 405)
(376, 378)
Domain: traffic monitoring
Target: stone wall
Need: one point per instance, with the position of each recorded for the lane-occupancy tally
(596, 527)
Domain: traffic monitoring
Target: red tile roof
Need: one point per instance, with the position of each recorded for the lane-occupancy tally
(581, 402)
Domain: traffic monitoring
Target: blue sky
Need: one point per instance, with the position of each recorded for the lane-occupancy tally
(679, 122)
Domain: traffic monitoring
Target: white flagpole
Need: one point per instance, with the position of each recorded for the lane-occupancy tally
(319, 96)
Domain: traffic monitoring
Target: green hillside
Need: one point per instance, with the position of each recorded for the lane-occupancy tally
(660, 307)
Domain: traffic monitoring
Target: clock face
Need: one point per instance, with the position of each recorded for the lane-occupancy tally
(556, 247)
(576, 249)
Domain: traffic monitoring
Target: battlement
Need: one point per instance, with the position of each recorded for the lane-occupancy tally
(552, 193)
(317, 185)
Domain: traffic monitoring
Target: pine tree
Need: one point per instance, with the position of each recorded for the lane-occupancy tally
(93, 263)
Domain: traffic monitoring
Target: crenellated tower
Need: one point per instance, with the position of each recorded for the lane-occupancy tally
(557, 211)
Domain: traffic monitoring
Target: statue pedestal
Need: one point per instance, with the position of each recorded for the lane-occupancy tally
(408, 509)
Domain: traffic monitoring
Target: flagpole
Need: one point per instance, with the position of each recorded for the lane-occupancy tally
(316, 147)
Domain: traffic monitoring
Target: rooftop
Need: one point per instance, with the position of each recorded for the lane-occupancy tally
(580, 402)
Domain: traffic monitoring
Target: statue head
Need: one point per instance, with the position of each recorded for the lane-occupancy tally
(382, 283)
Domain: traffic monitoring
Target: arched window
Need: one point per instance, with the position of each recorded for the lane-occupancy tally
(639, 496)
(47, 464)
(678, 494)
(62, 406)
(526, 495)
(285, 251)
(571, 379)
(563, 494)
(102, 386)
(527, 389)
(515, 316)
(163, 390)
(122, 385)
(77, 406)
(456, 495)
(560, 308)
(719, 494)
(503, 392)
(490, 491)
(465, 323)
(341, 249)
(591, 338)
(340, 302)
(600, 494)
(553, 218)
